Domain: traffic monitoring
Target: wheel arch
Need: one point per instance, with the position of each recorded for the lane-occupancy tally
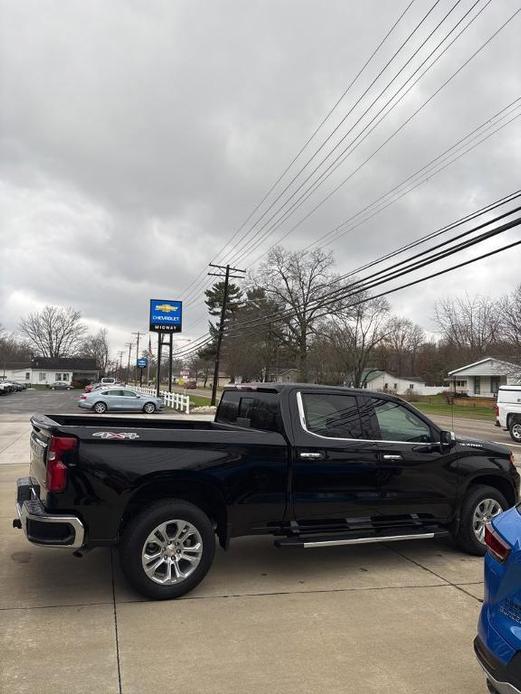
(502, 484)
(512, 418)
(202, 493)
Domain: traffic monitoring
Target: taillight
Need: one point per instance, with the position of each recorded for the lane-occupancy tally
(59, 446)
(497, 410)
(497, 547)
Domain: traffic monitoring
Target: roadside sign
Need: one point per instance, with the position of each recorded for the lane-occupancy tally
(166, 316)
(142, 362)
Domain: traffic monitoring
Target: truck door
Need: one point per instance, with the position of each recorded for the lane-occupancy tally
(415, 475)
(334, 471)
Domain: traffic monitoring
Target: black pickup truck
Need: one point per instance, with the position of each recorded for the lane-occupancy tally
(314, 466)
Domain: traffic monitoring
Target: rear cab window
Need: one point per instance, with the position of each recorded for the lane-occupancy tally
(332, 415)
(250, 409)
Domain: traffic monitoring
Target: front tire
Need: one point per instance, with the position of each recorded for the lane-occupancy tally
(480, 505)
(100, 408)
(167, 550)
(149, 408)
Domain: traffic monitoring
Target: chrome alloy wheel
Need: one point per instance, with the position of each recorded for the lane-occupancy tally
(484, 511)
(172, 552)
(516, 432)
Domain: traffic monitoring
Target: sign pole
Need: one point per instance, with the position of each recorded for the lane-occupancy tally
(170, 364)
(158, 377)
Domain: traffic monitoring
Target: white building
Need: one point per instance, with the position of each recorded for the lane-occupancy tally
(483, 378)
(384, 381)
(44, 371)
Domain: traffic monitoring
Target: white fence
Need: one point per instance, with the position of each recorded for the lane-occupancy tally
(176, 401)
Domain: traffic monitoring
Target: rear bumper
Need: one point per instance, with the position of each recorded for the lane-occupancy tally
(506, 679)
(40, 527)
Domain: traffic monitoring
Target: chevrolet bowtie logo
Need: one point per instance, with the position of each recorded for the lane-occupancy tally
(166, 308)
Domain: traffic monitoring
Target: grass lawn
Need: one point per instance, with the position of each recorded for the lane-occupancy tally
(437, 405)
(198, 401)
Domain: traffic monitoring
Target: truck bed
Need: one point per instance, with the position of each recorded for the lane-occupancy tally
(49, 421)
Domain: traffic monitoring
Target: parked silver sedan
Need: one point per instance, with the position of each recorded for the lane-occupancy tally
(119, 400)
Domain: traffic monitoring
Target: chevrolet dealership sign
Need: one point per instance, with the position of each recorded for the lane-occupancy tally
(166, 316)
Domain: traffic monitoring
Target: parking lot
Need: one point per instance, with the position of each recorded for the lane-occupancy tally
(398, 618)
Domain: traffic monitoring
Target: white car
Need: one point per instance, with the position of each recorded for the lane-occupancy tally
(508, 410)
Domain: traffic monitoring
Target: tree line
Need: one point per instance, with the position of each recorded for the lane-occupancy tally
(295, 313)
(54, 332)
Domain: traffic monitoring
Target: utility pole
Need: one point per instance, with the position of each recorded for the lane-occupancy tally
(129, 345)
(149, 355)
(227, 278)
(138, 335)
(120, 363)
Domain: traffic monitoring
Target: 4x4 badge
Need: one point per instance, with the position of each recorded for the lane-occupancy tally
(116, 435)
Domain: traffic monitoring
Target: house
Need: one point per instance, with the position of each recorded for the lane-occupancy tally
(385, 381)
(483, 378)
(45, 371)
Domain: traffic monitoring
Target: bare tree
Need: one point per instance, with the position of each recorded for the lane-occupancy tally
(12, 348)
(97, 347)
(299, 283)
(54, 331)
(356, 333)
(472, 324)
(403, 340)
(510, 318)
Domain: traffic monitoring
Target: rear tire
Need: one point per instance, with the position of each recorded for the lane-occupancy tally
(100, 408)
(515, 430)
(137, 550)
(149, 408)
(480, 504)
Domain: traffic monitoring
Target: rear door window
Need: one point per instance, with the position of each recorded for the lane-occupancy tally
(332, 415)
(253, 410)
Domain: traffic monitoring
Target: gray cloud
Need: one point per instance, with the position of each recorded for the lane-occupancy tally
(136, 137)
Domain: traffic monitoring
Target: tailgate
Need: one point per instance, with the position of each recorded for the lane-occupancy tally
(39, 444)
(43, 429)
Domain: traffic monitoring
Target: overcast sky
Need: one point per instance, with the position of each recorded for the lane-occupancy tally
(137, 136)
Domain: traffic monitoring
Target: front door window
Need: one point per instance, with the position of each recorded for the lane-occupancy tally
(398, 423)
(477, 385)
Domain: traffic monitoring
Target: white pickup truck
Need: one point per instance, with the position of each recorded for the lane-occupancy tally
(508, 410)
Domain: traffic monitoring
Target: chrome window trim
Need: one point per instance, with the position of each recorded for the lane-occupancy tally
(303, 424)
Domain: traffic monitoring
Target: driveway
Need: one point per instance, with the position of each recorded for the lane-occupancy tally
(388, 619)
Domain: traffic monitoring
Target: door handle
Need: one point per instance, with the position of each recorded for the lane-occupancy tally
(310, 455)
(391, 456)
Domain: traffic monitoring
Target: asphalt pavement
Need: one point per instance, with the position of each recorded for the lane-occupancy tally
(27, 402)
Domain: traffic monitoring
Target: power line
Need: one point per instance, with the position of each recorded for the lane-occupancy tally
(358, 101)
(426, 172)
(467, 218)
(419, 172)
(308, 141)
(353, 145)
(336, 163)
(242, 250)
(392, 273)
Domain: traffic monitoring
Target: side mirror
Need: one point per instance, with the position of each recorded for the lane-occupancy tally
(447, 438)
